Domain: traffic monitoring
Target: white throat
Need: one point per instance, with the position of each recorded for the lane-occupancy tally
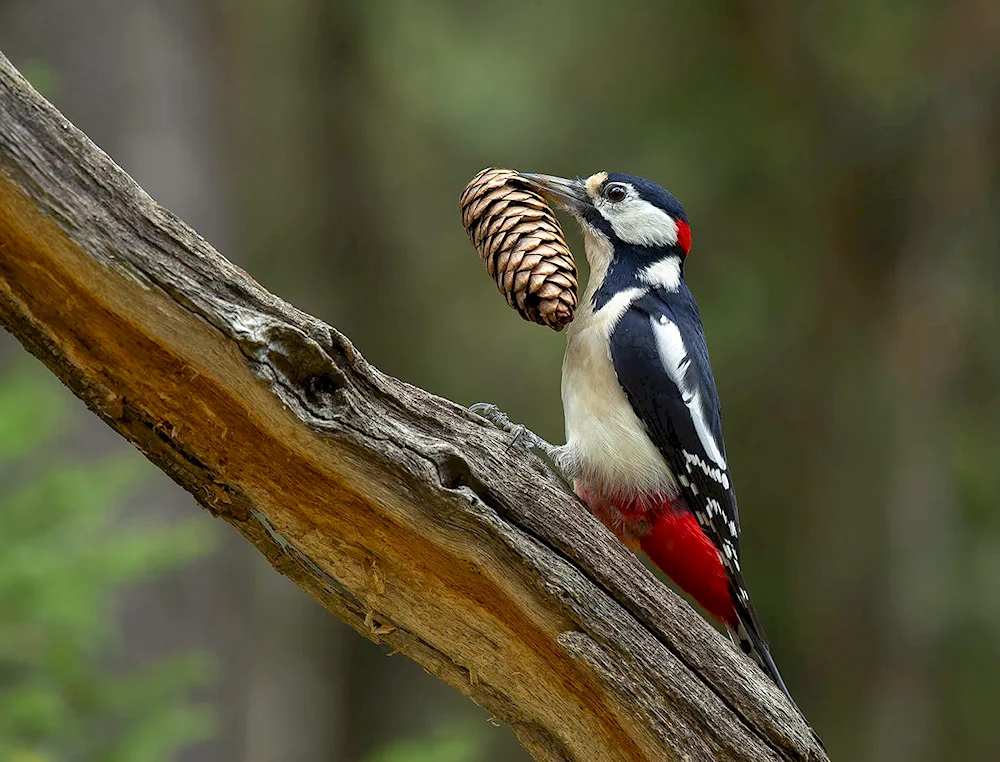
(599, 253)
(606, 448)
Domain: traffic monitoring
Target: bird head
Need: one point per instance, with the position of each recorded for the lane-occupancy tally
(622, 216)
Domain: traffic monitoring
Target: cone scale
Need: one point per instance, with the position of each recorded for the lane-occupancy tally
(522, 245)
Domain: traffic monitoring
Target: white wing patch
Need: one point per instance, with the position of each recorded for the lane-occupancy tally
(674, 357)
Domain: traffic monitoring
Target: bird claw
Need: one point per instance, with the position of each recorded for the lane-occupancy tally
(494, 415)
(521, 435)
(518, 433)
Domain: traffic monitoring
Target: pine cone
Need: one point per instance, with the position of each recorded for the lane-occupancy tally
(520, 241)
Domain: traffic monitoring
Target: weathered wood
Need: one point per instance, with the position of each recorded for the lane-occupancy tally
(401, 512)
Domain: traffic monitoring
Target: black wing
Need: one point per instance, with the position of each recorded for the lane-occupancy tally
(659, 354)
(661, 359)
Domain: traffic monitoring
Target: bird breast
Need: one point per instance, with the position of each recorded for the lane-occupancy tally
(606, 444)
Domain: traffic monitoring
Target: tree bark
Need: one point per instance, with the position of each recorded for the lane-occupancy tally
(404, 514)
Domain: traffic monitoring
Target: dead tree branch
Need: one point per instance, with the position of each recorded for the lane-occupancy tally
(399, 511)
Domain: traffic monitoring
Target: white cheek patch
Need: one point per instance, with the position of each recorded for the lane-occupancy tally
(638, 222)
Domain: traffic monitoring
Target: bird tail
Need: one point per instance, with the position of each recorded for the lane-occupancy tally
(748, 634)
(749, 637)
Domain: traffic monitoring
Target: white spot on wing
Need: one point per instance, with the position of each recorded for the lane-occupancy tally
(717, 474)
(730, 559)
(674, 357)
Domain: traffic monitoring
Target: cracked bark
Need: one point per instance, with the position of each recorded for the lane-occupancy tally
(402, 513)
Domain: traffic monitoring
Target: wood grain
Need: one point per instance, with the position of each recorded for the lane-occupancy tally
(401, 512)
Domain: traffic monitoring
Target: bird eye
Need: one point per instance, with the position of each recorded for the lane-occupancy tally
(615, 192)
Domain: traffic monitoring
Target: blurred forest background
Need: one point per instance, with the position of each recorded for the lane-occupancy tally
(839, 164)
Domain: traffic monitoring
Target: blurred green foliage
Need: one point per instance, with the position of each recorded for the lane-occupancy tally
(66, 550)
(460, 743)
(41, 75)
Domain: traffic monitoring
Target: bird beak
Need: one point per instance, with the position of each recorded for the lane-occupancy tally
(569, 195)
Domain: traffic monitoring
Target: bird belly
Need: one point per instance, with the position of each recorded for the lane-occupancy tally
(606, 443)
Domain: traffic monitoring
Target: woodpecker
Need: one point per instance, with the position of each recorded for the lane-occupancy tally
(644, 447)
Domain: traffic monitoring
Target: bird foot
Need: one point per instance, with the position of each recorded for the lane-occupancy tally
(522, 434)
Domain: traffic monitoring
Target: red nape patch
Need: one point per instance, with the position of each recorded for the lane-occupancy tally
(684, 236)
(680, 548)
